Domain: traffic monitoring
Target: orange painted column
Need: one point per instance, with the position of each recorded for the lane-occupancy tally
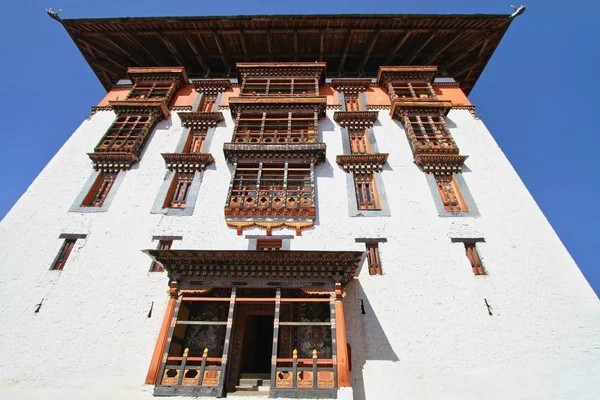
(161, 342)
(341, 340)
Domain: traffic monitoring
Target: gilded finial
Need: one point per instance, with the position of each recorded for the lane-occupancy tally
(186, 351)
(315, 353)
(205, 354)
(295, 354)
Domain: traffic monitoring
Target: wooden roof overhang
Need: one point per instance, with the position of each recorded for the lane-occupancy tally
(261, 104)
(274, 153)
(259, 268)
(350, 45)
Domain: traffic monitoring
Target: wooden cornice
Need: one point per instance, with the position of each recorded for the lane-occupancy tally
(200, 120)
(287, 69)
(440, 164)
(308, 152)
(355, 119)
(362, 163)
(157, 108)
(113, 162)
(419, 106)
(211, 85)
(177, 74)
(317, 103)
(286, 268)
(349, 85)
(406, 73)
(187, 162)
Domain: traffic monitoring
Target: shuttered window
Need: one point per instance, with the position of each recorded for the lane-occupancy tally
(63, 255)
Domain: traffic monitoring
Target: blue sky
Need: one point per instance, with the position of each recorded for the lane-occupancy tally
(538, 95)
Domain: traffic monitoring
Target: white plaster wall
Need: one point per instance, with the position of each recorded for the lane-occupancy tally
(425, 334)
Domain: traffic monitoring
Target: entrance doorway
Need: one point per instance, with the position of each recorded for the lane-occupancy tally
(258, 345)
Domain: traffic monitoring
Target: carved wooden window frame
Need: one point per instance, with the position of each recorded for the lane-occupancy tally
(100, 189)
(63, 254)
(195, 141)
(367, 197)
(450, 194)
(272, 185)
(373, 258)
(125, 134)
(410, 90)
(474, 258)
(276, 127)
(359, 141)
(179, 190)
(280, 86)
(153, 90)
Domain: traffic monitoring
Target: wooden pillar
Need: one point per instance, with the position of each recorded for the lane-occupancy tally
(275, 338)
(227, 338)
(161, 342)
(341, 340)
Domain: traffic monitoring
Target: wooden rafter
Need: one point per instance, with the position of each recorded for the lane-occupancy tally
(418, 50)
(441, 51)
(368, 52)
(345, 55)
(197, 54)
(396, 48)
(224, 58)
(165, 39)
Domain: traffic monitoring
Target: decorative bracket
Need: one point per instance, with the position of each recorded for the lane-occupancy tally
(200, 120)
(355, 119)
(442, 164)
(113, 162)
(362, 163)
(187, 162)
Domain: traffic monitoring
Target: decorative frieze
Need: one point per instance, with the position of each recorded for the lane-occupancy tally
(200, 120)
(315, 104)
(356, 119)
(113, 162)
(362, 163)
(440, 164)
(187, 162)
(312, 152)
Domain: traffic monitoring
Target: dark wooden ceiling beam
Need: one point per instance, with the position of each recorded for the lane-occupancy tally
(117, 63)
(171, 46)
(321, 45)
(441, 51)
(270, 45)
(345, 54)
(139, 45)
(396, 48)
(107, 40)
(408, 60)
(242, 35)
(296, 51)
(361, 68)
(464, 53)
(224, 57)
(198, 55)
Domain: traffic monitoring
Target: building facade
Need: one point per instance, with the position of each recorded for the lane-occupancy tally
(304, 207)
